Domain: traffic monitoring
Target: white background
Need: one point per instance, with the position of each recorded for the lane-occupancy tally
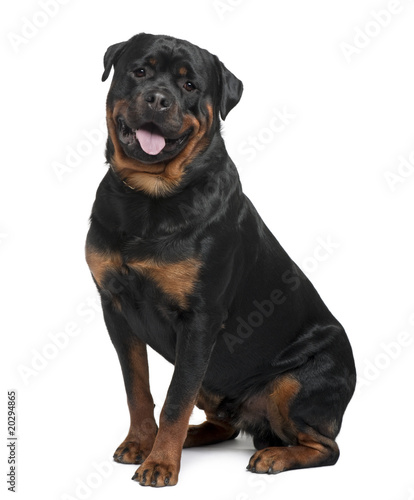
(320, 178)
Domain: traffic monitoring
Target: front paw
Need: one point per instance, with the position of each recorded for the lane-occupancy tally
(157, 473)
(132, 451)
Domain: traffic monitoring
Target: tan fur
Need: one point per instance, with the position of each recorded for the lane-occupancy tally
(101, 263)
(278, 405)
(158, 179)
(176, 279)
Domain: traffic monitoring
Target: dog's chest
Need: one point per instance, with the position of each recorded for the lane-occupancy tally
(116, 273)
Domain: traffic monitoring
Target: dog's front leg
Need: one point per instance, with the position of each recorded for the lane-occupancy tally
(132, 355)
(193, 351)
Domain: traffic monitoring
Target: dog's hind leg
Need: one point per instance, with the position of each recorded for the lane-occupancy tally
(215, 429)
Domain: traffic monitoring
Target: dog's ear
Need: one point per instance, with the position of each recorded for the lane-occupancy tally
(231, 89)
(111, 56)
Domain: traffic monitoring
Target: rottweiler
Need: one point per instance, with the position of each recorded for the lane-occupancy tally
(184, 264)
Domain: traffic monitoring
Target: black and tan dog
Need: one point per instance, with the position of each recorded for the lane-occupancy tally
(184, 264)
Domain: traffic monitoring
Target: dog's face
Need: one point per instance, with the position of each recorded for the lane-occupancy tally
(164, 104)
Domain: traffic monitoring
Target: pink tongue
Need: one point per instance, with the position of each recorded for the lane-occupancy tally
(151, 142)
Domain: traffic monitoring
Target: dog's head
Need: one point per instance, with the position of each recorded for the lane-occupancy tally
(163, 108)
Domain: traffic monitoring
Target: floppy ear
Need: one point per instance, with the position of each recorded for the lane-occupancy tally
(231, 89)
(111, 56)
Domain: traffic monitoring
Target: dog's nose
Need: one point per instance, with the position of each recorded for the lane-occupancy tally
(158, 101)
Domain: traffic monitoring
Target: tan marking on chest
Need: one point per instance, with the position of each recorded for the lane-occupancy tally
(100, 263)
(177, 279)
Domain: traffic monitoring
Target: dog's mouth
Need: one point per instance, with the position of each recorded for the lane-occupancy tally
(150, 139)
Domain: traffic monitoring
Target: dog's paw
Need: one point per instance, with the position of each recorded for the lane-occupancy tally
(268, 461)
(132, 452)
(157, 473)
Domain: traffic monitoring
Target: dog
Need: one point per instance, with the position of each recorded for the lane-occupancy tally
(184, 264)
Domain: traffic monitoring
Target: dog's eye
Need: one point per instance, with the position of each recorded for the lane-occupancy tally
(189, 86)
(139, 73)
